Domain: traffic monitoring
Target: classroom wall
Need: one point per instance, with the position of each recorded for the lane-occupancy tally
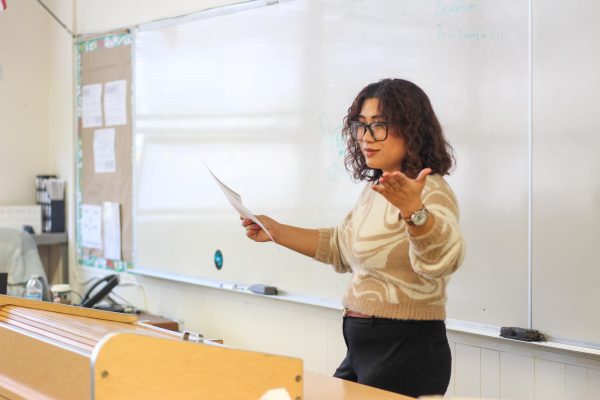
(482, 367)
(24, 100)
(36, 95)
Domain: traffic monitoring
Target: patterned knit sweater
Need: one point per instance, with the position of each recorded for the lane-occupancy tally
(396, 275)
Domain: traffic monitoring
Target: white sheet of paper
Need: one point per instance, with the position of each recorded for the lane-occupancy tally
(91, 226)
(236, 201)
(91, 105)
(115, 105)
(104, 150)
(111, 230)
(276, 394)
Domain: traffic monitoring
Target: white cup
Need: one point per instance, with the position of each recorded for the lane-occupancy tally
(61, 293)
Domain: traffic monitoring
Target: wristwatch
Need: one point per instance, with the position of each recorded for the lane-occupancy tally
(418, 218)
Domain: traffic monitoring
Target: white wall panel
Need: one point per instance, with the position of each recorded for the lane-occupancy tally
(575, 382)
(299, 348)
(549, 380)
(517, 375)
(490, 374)
(336, 347)
(452, 385)
(316, 339)
(468, 371)
(265, 328)
(593, 380)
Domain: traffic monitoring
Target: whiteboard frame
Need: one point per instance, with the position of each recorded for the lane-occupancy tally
(467, 327)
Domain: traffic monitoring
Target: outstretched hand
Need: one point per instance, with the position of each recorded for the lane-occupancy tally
(402, 191)
(254, 232)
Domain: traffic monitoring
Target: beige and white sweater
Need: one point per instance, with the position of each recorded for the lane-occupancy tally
(396, 275)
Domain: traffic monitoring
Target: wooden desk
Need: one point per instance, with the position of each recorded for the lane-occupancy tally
(318, 386)
(66, 352)
(155, 320)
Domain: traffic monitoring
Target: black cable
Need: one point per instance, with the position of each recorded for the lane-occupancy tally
(122, 298)
(80, 296)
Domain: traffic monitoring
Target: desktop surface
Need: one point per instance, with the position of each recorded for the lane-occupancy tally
(319, 386)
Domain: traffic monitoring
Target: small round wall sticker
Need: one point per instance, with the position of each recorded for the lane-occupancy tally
(218, 259)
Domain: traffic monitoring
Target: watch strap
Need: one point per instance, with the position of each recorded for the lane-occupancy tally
(409, 220)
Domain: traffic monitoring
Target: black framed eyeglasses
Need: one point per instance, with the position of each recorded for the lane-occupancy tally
(378, 130)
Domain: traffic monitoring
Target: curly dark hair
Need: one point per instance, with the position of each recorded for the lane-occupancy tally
(408, 109)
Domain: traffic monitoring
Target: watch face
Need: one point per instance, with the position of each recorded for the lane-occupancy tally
(419, 217)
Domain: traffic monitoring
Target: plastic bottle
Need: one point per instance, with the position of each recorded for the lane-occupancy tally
(34, 289)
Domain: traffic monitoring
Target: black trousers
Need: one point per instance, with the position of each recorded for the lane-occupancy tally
(407, 357)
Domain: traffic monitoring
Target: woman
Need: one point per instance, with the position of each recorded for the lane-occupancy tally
(401, 242)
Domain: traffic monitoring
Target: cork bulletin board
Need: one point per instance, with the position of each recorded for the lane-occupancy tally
(101, 61)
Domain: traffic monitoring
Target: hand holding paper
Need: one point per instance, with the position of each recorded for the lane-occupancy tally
(236, 201)
(260, 233)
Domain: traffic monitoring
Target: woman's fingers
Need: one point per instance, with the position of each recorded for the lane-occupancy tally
(423, 175)
(378, 188)
(400, 190)
(392, 182)
(395, 186)
(396, 181)
(250, 225)
(254, 231)
(253, 227)
(247, 222)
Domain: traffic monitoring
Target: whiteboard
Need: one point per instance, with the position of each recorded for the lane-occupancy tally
(566, 189)
(260, 95)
